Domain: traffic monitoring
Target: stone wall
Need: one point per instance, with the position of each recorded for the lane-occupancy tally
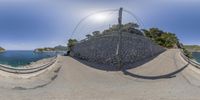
(102, 49)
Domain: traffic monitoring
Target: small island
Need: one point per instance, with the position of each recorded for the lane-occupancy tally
(51, 49)
(2, 49)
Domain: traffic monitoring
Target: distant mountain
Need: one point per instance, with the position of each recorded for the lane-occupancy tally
(192, 48)
(2, 49)
(49, 49)
(60, 48)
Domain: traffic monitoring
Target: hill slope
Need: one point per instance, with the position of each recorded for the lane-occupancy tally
(192, 48)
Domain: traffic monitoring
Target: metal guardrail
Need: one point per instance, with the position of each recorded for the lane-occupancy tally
(190, 61)
(27, 70)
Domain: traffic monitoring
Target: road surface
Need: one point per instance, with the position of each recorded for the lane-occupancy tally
(166, 77)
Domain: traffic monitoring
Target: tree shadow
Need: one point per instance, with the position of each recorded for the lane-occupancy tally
(168, 75)
(114, 67)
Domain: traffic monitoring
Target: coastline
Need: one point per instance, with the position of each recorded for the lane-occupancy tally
(196, 56)
(39, 62)
(33, 64)
(20, 58)
(28, 72)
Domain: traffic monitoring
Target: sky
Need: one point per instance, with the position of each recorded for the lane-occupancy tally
(29, 24)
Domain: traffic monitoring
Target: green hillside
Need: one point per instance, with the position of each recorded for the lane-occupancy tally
(48, 49)
(2, 49)
(192, 48)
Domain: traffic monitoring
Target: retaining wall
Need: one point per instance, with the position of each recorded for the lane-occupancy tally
(102, 49)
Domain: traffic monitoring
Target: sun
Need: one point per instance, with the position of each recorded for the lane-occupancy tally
(100, 17)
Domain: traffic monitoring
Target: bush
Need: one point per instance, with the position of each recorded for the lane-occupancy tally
(187, 53)
(71, 43)
(165, 39)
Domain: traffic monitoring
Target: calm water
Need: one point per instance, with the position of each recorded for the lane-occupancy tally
(196, 56)
(20, 58)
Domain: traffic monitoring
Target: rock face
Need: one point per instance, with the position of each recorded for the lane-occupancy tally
(102, 49)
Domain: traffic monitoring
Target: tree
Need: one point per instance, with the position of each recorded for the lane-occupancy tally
(88, 36)
(187, 53)
(96, 33)
(129, 28)
(165, 39)
(153, 33)
(71, 43)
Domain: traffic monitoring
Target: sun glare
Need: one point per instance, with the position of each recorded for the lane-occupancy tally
(101, 17)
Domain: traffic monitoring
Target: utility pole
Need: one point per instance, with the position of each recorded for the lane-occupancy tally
(118, 56)
(120, 17)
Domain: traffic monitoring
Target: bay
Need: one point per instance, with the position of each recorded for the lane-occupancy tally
(196, 56)
(17, 58)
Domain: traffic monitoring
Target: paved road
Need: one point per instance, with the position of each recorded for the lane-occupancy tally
(166, 77)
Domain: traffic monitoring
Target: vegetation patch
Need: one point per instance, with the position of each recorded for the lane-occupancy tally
(48, 49)
(165, 39)
(192, 48)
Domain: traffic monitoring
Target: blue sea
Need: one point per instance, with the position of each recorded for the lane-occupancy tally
(196, 56)
(17, 58)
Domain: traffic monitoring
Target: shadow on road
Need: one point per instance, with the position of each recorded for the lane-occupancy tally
(114, 67)
(169, 75)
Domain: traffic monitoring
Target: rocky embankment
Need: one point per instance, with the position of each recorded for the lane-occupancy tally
(102, 50)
